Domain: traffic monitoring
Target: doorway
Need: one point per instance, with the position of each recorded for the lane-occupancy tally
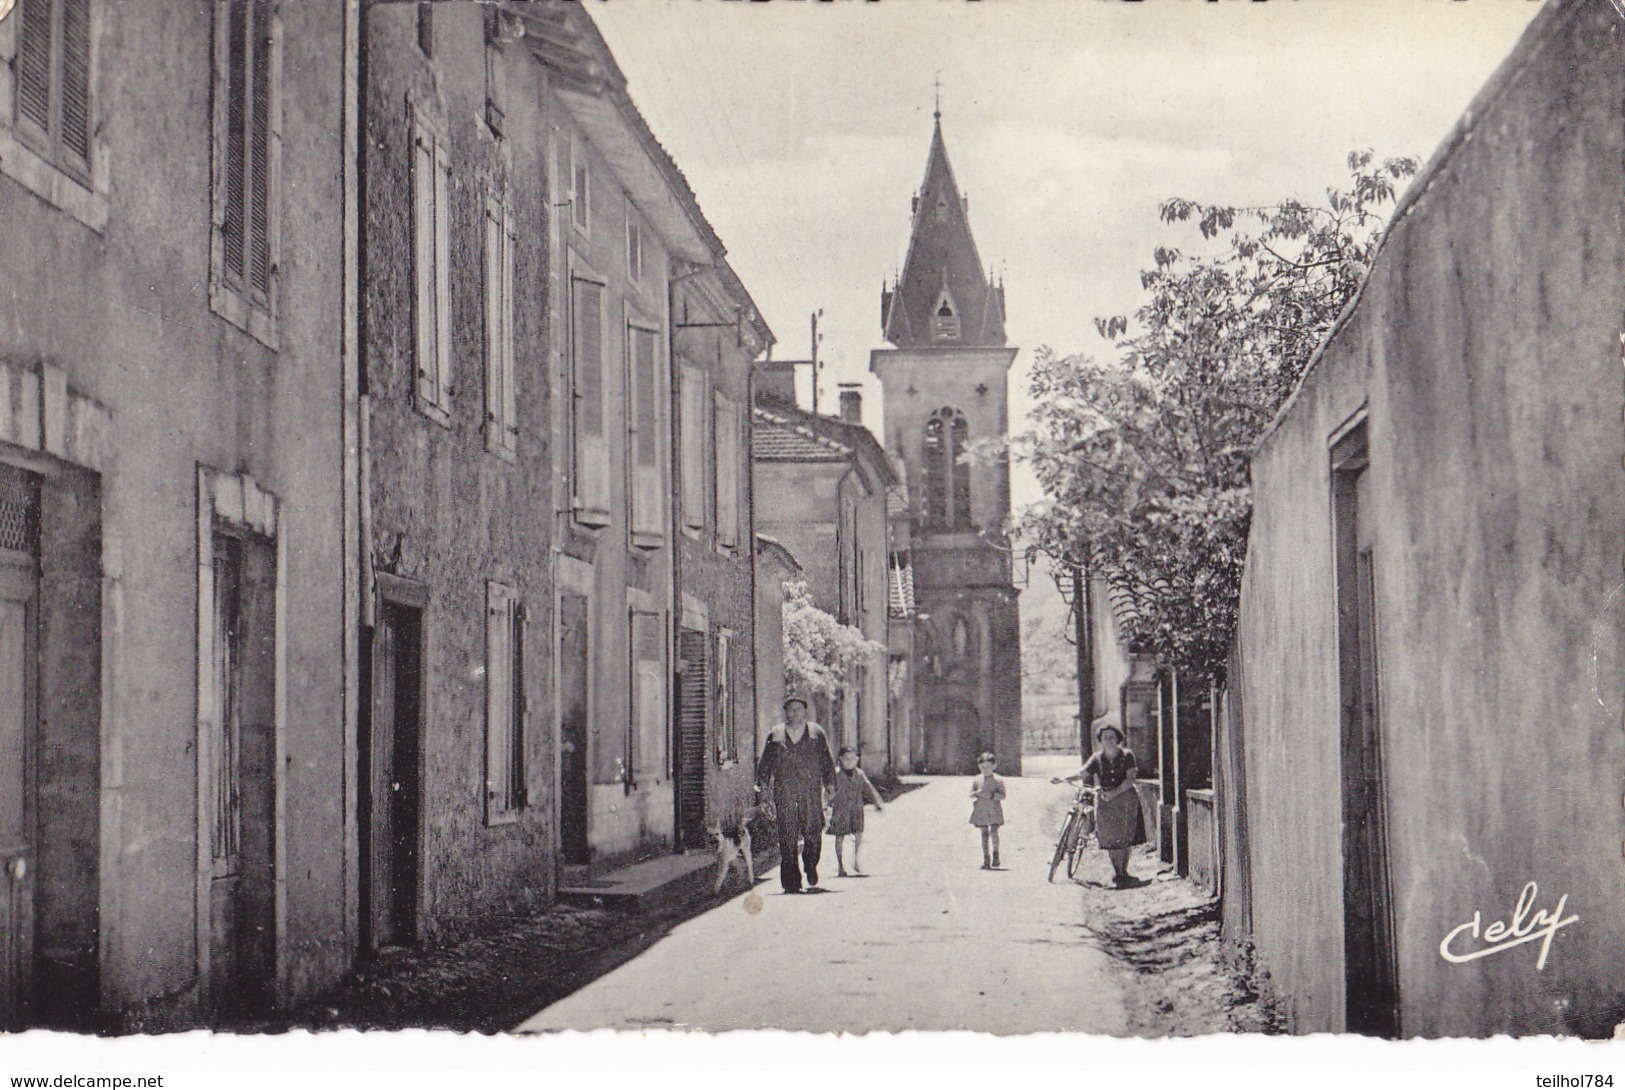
(1371, 977)
(19, 728)
(574, 664)
(390, 768)
(242, 774)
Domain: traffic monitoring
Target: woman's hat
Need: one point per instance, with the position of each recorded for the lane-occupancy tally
(794, 700)
(1113, 727)
(986, 757)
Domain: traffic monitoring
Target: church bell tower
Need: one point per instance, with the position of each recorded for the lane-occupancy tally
(944, 379)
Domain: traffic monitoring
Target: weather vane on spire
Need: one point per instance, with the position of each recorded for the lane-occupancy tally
(936, 92)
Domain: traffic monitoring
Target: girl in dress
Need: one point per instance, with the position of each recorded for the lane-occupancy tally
(852, 787)
(987, 813)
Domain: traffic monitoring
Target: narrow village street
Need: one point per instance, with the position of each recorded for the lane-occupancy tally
(927, 942)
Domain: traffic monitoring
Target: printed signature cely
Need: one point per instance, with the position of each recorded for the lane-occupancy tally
(1504, 935)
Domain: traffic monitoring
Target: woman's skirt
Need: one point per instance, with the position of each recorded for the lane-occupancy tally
(1119, 823)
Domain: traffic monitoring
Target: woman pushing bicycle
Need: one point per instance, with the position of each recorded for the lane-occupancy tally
(1119, 823)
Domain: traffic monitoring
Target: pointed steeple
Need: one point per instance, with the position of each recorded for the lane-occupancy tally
(942, 297)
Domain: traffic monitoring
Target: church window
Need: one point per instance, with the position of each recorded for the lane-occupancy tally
(945, 318)
(947, 474)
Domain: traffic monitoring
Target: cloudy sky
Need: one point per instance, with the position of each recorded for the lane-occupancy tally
(803, 127)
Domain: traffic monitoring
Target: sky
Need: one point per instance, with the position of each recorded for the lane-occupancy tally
(803, 128)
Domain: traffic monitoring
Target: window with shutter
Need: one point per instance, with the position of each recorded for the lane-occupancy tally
(53, 82)
(501, 419)
(727, 742)
(246, 123)
(589, 454)
(646, 740)
(504, 703)
(727, 472)
(694, 428)
(431, 267)
(648, 514)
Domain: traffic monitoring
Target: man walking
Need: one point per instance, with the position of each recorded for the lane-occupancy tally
(797, 764)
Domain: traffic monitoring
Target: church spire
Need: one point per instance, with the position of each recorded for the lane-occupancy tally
(942, 297)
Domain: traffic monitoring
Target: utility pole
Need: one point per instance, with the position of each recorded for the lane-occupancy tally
(1083, 631)
(817, 314)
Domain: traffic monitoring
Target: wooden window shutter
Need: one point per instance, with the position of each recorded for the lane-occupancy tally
(694, 428)
(259, 150)
(648, 506)
(442, 273)
(726, 742)
(423, 255)
(33, 63)
(75, 110)
(52, 68)
(510, 373)
(518, 781)
(500, 688)
(495, 430)
(727, 428)
(234, 224)
(647, 741)
(590, 453)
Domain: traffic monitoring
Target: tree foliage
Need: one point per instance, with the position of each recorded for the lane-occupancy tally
(820, 653)
(1144, 458)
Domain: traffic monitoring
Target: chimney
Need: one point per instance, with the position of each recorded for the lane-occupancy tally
(851, 405)
(776, 381)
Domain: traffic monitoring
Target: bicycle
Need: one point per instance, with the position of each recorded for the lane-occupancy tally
(1076, 831)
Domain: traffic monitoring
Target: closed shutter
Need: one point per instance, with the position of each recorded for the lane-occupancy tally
(648, 508)
(431, 246)
(501, 410)
(510, 371)
(726, 742)
(34, 63)
(648, 739)
(233, 227)
(75, 115)
(499, 692)
(259, 150)
(727, 431)
(442, 273)
(694, 428)
(245, 125)
(590, 454)
(52, 68)
(692, 719)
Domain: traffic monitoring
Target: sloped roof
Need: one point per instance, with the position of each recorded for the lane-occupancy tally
(784, 432)
(942, 266)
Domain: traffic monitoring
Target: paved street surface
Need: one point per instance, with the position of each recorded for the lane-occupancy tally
(928, 942)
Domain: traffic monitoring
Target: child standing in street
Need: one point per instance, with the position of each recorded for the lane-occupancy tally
(988, 811)
(852, 787)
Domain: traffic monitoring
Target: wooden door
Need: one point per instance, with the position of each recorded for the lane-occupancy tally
(574, 704)
(18, 701)
(242, 933)
(1371, 985)
(391, 779)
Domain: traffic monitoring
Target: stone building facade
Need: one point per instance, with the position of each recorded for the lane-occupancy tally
(455, 756)
(174, 661)
(1423, 724)
(821, 491)
(717, 335)
(945, 382)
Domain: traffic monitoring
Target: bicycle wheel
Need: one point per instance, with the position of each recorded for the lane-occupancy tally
(1074, 853)
(1061, 843)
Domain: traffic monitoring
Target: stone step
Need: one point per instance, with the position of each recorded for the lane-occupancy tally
(654, 883)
